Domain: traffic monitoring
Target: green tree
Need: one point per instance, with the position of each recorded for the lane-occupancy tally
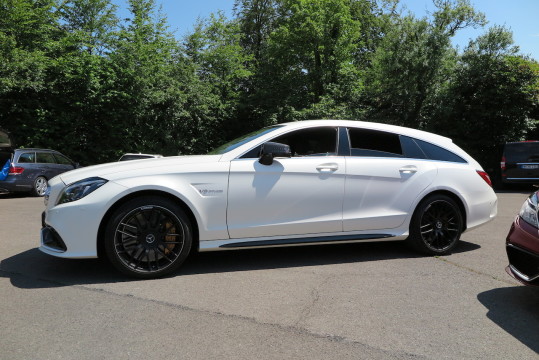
(221, 66)
(412, 62)
(29, 40)
(145, 102)
(491, 98)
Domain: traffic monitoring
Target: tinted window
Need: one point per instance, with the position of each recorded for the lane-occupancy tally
(434, 152)
(61, 159)
(27, 158)
(411, 149)
(45, 158)
(135, 157)
(311, 142)
(364, 142)
(522, 152)
(241, 140)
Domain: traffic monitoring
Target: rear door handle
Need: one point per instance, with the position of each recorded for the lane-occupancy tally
(328, 167)
(409, 169)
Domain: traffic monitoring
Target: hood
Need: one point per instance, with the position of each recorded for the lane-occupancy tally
(124, 169)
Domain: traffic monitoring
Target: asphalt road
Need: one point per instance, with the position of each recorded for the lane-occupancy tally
(361, 301)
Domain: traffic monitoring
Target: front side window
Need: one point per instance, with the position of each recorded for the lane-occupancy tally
(27, 158)
(311, 142)
(60, 159)
(374, 143)
(45, 158)
(305, 142)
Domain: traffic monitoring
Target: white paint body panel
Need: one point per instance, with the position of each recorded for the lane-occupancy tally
(380, 193)
(237, 200)
(293, 196)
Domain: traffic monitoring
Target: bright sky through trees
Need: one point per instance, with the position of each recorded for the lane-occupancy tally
(517, 15)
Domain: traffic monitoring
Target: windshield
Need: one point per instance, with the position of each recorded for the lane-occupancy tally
(231, 145)
(522, 152)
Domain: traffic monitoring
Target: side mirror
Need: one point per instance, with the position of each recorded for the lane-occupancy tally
(272, 150)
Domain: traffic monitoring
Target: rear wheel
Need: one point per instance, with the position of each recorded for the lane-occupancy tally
(436, 225)
(40, 186)
(148, 237)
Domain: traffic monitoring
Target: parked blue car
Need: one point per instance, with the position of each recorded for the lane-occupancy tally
(29, 170)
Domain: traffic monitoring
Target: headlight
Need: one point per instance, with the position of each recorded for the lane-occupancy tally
(80, 189)
(528, 212)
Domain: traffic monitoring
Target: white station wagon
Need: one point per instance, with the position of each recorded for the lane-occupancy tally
(308, 182)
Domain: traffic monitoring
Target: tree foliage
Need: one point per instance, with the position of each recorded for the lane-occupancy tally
(75, 77)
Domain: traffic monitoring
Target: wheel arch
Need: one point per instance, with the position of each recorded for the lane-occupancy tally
(453, 197)
(123, 200)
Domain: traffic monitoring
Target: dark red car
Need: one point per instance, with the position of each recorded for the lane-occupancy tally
(522, 243)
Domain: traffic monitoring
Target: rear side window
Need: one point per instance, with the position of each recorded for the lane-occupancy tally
(521, 152)
(411, 149)
(45, 158)
(26, 158)
(435, 152)
(373, 143)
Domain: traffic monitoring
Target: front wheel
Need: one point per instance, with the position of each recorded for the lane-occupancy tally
(148, 237)
(436, 225)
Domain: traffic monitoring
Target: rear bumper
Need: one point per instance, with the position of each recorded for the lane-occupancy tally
(14, 183)
(522, 246)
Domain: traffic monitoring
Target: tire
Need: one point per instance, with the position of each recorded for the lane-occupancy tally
(148, 237)
(40, 186)
(436, 225)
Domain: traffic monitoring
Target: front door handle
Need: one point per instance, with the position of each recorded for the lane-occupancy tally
(328, 167)
(409, 169)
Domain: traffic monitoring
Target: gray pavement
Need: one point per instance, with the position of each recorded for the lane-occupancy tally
(357, 301)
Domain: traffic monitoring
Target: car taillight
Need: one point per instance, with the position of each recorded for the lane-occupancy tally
(502, 163)
(15, 170)
(485, 177)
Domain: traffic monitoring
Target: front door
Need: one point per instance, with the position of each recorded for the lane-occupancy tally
(292, 196)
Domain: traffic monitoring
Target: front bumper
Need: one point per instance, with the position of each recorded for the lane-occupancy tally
(70, 230)
(522, 246)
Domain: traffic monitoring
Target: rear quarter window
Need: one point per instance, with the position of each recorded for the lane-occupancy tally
(27, 158)
(435, 152)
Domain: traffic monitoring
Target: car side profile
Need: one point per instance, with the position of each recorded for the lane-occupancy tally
(308, 182)
(31, 168)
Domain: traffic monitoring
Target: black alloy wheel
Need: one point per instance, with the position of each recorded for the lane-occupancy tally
(148, 237)
(436, 225)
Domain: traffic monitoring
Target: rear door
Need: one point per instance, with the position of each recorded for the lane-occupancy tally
(385, 173)
(46, 165)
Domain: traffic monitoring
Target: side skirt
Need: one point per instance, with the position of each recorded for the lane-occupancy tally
(212, 245)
